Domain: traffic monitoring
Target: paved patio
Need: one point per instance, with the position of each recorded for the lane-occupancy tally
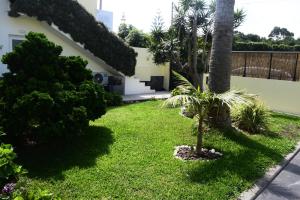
(286, 186)
(144, 97)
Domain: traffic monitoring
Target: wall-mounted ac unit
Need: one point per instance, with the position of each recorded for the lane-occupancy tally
(101, 78)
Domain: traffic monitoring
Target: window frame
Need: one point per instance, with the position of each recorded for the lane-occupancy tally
(14, 37)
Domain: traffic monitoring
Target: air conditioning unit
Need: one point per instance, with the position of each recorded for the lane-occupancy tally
(101, 78)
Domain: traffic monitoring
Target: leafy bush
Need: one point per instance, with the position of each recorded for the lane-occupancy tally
(45, 94)
(252, 117)
(251, 46)
(9, 171)
(38, 194)
(263, 46)
(70, 17)
(282, 47)
(297, 47)
(113, 99)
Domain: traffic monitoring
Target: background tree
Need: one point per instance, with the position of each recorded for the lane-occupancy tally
(241, 37)
(137, 38)
(132, 36)
(280, 33)
(177, 45)
(47, 95)
(221, 58)
(124, 30)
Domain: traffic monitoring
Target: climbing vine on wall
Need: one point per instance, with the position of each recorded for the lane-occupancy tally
(70, 17)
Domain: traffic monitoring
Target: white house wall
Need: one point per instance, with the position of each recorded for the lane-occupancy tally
(18, 27)
(283, 96)
(90, 5)
(145, 67)
(134, 86)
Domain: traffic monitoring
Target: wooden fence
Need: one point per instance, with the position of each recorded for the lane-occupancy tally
(268, 65)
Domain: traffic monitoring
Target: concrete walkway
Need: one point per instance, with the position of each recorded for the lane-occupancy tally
(143, 97)
(286, 186)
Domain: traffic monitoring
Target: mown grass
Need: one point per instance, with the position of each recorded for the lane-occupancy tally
(128, 154)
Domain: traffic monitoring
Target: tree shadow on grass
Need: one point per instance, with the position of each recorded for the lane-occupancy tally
(244, 164)
(49, 161)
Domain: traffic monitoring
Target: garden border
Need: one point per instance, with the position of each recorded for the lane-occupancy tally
(262, 183)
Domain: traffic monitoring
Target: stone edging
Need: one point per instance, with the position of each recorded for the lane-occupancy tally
(271, 174)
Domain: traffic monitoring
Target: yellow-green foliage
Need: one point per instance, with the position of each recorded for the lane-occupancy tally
(252, 117)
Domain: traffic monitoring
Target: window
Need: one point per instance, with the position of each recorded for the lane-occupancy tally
(15, 40)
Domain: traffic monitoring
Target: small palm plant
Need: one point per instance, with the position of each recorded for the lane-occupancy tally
(196, 104)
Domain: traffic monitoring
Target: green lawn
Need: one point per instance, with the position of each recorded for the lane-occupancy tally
(128, 154)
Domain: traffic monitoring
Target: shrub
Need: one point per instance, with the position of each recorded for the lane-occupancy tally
(282, 47)
(9, 171)
(37, 194)
(45, 94)
(113, 99)
(297, 47)
(251, 46)
(251, 117)
(263, 46)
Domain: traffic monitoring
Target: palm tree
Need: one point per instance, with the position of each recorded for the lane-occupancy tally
(197, 104)
(220, 60)
(190, 16)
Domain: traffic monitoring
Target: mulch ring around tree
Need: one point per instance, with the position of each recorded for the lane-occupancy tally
(185, 152)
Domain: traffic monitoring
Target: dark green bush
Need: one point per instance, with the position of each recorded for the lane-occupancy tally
(113, 99)
(297, 47)
(70, 17)
(282, 47)
(45, 94)
(263, 46)
(251, 46)
(252, 117)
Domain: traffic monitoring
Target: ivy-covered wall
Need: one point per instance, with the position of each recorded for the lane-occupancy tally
(70, 17)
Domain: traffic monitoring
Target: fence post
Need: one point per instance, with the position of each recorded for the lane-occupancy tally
(270, 68)
(296, 65)
(245, 66)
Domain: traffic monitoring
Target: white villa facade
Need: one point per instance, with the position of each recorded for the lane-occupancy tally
(13, 31)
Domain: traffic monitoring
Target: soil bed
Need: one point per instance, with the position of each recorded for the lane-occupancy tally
(185, 152)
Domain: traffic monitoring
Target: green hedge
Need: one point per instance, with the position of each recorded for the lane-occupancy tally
(297, 47)
(262, 46)
(251, 46)
(72, 18)
(282, 47)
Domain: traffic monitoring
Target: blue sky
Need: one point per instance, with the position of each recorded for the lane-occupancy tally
(262, 15)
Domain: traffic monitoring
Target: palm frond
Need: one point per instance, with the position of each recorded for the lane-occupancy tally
(183, 82)
(239, 17)
(235, 97)
(181, 100)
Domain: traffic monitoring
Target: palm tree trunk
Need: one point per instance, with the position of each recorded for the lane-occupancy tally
(197, 78)
(199, 137)
(221, 58)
